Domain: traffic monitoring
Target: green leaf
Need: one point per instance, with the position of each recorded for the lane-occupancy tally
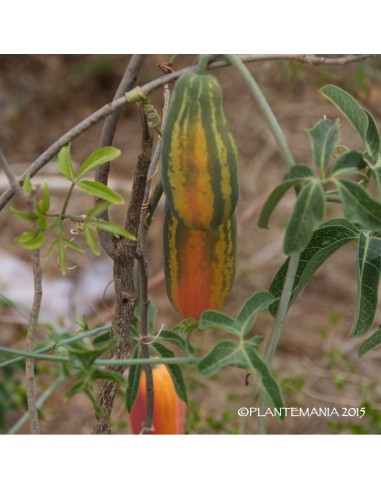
(98, 209)
(97, 158)
(171, 337)
(372, 139)
(30, 216)
(327, 239)
(72, 245)
(223, 354)
(111, 227)
(324, 137)
(76, 388)
(65, 164)
(376, 173)
(306, 216)
(27, 186)
(174, 370)
(133, 380)
(87, 357)
(350, 108)
(269, 384)
(349, 162)
(359, 206)
(152, 312)
(33, 239)
(215, 319)
(372, 342)
(256, 303)
(90, 239)
(62, 258)
(99, 190)
(43, 223)
(110, 375)
(294, 177)
(43, 205)
(52, 248)
(368, 279)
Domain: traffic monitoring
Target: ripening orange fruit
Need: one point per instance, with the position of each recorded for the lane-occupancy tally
(169, 410)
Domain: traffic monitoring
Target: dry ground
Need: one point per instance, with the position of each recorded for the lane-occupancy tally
(43, 96)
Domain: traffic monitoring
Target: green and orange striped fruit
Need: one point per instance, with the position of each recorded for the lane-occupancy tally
(199, 155)
(199, 265)
(169, 410)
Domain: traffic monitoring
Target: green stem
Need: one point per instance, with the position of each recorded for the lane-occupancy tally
(63, 211)
(52, 346)
(156, 360)
(203, 62)
(39, 403)
(103, 362)
(265, 108)
(277, 330)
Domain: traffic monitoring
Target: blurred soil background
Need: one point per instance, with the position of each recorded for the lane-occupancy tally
(43, 96)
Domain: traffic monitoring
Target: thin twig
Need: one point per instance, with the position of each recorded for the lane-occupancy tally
(146, 89)
(11, 177)
(31, 334)
(107, 137)
(39, 404)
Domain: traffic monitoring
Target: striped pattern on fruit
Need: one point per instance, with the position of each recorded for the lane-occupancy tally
(199, 156)
(199, 265)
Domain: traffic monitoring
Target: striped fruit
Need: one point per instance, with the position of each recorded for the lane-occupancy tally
(199, 156)
(168, 409)
(199, 265)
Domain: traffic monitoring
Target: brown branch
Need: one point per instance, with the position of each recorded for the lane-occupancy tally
(146, 89)
(16, 188)
(124, 258)
(31, 334)
(107, 137)
(31, 341)
(33, 317)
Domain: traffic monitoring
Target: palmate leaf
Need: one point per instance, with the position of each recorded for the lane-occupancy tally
(241, 326)
(97, 158)
(324, 137)
(174, 370)
(372, 139)
(33, 239)
(215, 319)
(368, 279)
(351, 161)
(360, 117)
(359, 206)
(133, 380)
(297, 175)
(268, 382)
(106, 225)
(371, 343)
(307, 214)
(348, 105)
(224, 353)
(255, 304)
(327, 239)
(65, 164)
(99, 190)
(244, 355)
(90, 239)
